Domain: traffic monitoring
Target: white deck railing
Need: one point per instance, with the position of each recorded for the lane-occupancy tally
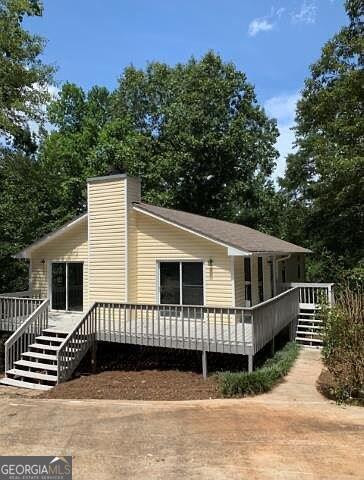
(208, 329)
(312, 294)
(15, 310)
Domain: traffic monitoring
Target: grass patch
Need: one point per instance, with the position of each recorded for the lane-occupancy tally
(261, 380)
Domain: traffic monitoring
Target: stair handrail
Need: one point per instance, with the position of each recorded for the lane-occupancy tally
(68, 357)
(19, 341)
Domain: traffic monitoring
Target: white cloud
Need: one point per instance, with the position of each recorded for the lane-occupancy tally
(306, 13)
(259, 25)
(279, 12)
(283, 108)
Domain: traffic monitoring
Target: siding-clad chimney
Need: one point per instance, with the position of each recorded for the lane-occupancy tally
(109, 199)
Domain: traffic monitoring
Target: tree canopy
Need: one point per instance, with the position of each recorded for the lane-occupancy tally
(204, 143)
(24, 79)
(194, 133)
(324, 180)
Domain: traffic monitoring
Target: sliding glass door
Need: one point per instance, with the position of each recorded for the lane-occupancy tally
(67, 286)
(59, 286)
(181, 283)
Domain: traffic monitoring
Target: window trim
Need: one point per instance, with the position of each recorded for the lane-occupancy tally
(180, 261)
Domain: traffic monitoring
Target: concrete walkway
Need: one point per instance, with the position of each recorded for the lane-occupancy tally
(290, 433)
(300, 383)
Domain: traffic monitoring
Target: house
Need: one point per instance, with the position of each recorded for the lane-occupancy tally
(131, 272)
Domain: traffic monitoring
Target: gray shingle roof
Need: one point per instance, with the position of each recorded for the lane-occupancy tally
(231, 234)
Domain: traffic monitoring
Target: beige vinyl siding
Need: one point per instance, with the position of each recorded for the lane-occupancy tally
(239, 281)
(107, 239)
(71, 246)
(134, 195)
(158, 241)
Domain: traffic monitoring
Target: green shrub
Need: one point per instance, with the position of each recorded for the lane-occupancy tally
(343, 350)
(261, 380)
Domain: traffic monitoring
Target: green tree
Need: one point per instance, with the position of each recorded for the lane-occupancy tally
(63, 156)
(199, 139)
(24, 79)
(324, 180)
(24, 90)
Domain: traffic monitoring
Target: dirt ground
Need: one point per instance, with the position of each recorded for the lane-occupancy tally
(139, 385)
(291, 433)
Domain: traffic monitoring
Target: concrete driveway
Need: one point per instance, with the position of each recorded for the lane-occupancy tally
(291, 433)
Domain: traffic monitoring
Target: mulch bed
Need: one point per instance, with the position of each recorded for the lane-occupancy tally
(138, 385)
(130, 372)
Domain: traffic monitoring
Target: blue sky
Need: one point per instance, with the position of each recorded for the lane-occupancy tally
(273, 42)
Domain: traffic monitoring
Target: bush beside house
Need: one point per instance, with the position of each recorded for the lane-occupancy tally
(343, 351)
(261, 380)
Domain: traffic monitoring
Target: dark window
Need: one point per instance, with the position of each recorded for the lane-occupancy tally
(260, 279)
(59, 286)
(260, 269)
(181, 283)
(248, 280)
(67, 286)
(192, 283)
(75, 286)
(271, 276)
(248, 292)
(299, 271)
(247, 270)
(169, 283)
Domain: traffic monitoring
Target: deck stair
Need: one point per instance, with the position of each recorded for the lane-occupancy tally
(37, 368)
(309, 327)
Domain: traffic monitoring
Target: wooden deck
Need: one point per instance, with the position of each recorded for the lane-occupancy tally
(241, 331)
(64, 338)
(186, 333)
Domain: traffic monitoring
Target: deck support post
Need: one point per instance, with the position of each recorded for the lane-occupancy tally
(93, 355)
(250, 363)
(204, 364)
(273, 346)
(292, 328)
